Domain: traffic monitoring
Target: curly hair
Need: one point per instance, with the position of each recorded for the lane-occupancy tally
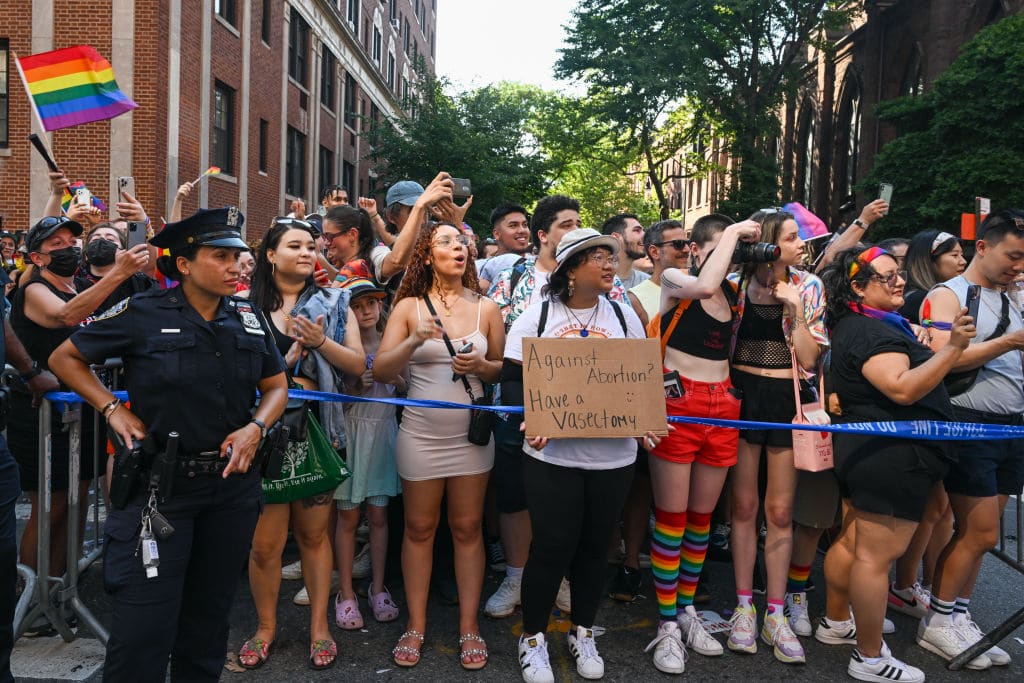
(558, 282)
(419, 275)
(264, 292)
(839, 293)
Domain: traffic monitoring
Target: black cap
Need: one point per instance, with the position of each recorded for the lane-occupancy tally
(46, 227)
(205, 228)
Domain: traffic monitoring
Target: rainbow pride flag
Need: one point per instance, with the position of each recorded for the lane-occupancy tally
(72, 86)
(69, 193)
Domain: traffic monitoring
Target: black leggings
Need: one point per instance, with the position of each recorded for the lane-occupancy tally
(572, 512)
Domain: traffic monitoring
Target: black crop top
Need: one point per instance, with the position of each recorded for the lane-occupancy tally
(760, 340)
(699, 334)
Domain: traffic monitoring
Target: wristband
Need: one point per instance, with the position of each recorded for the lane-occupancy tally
(375, 216)
(858, 221)
(112, 406)
(261, 424)
(31, 374)
(322, 342)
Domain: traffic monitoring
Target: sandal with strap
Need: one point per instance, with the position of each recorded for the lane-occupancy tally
(254, 647)
(408, 649)
(476, 651)
(347, 614)
(383, 605)
(323, 649)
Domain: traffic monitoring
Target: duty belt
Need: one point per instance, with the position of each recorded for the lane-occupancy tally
(191, 465)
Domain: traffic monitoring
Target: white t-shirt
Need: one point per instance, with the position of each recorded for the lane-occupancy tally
(377, 256)
(584, 454)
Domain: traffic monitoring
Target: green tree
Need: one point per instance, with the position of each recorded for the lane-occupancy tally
(962, 139)
(481, 135)
(730, 59)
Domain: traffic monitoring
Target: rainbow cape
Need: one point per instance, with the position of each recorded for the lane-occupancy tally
(69, 193)
(72, 86)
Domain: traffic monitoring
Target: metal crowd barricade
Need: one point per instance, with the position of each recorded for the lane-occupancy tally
(52, 596)
(1016, 560)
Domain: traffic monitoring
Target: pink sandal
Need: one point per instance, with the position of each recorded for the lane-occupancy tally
(384, 608)
(346, 614)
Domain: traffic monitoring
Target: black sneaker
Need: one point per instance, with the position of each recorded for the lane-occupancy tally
(702, 596)
(626, 584)
(718, 543)
(495, 555)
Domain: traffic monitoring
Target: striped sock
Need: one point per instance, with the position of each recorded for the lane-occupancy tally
(797, 581)
(940, 611)
(668, 536)
(961, 605)
(694, 550)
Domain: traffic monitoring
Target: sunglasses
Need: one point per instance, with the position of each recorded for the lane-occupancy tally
(678, 245)
(297, 222)
(890, 279)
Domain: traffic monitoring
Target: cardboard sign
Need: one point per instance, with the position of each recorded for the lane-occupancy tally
(593, 388)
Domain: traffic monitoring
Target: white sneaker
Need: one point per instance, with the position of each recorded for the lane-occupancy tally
(911, 601)
(836, 632)
(785, 644)
(361, 563)
(563, 601)
(887, 626)
(887, 669)
(583, 647)
(669, 652)
(292, 572)
(505, 599)
(972, 633)
(796, 610)
(947, 642)
(696, 636)
(533, 659)
(302, 597)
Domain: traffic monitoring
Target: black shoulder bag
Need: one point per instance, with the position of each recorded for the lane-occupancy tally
(481, 422)
(959, 382)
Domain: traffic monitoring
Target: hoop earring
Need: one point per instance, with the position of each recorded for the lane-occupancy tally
(273, 268)
(572, 286)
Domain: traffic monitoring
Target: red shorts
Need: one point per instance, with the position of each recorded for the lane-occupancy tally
(714, 446)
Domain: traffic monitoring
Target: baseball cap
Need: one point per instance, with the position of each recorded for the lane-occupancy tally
(46, 227)
(404, 192)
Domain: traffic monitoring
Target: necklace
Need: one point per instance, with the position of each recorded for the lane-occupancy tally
(444, 303)
(584, 325)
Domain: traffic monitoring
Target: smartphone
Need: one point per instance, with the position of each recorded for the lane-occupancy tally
(467, 348)
(463, 188)
(885, 192)
(136, 233)
(973, 301)
(83, 197)
(673, 388)
(125, 183)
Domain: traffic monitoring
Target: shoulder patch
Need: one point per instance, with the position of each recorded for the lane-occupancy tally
(112, 312)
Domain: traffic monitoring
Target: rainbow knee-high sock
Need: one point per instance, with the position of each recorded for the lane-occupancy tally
(797, 579)
(668, 536)
(694, 550)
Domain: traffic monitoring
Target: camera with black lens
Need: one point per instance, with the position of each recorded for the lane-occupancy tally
(755, 252)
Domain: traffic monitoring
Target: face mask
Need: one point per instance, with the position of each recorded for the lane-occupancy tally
(100, 252)
(64, 262)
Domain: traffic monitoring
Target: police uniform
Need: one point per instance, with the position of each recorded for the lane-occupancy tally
(197, 378)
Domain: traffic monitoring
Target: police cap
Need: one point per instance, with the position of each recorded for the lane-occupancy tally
(205, 228)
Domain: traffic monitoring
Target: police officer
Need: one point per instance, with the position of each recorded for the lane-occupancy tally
(195, 356)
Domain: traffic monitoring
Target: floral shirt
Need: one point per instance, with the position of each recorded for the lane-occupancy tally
(513, 303)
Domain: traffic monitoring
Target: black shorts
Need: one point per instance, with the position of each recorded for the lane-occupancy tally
(23, 440)
(768, 399)
(889, 476)
(987, 468)
(509, 489)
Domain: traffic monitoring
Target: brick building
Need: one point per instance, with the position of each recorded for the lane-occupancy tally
(830, 135)
(275, 93)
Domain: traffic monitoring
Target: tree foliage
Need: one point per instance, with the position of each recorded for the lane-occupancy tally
(482, 135)
(964, 138)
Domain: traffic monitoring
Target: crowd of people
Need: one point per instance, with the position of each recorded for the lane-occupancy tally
(404, 301)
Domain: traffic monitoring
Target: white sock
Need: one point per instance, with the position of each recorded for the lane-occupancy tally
(513, 572)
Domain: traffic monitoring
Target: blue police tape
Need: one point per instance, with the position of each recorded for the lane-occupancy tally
(925, 430)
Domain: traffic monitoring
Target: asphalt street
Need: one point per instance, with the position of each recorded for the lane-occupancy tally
(365, 655)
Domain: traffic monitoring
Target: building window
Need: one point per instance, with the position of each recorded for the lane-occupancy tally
(348, 178)
(264, 133)
(805, 173)
(328, 77)
(408, 34)
(377, 40)
(391, 70)
(265, 26)
(849, 119)
(325, 166)
(5, 71)
(394, 9)
(350, 101)
(432, 34)
(298, 49)
(353, 15)
(226, 10)
(295, 164)
(405, 89)
(223, 127)
(913, 76)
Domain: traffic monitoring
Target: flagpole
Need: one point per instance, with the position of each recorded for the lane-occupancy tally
(48, 156)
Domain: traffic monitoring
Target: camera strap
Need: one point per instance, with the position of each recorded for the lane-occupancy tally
(448, 343)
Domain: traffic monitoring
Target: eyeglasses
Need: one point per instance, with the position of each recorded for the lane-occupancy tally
(678, 245)
(329, 237)
(448, 242)
(603, 259)
(890, 279)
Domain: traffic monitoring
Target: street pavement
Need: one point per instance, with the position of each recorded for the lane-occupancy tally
(366, 655)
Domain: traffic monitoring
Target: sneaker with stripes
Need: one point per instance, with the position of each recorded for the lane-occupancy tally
(533, 659)
(885, 668)
(836, 632)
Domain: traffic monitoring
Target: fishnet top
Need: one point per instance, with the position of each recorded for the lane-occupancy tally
(760, 341)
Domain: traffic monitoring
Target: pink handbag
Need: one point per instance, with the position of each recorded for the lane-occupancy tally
(812, 451)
